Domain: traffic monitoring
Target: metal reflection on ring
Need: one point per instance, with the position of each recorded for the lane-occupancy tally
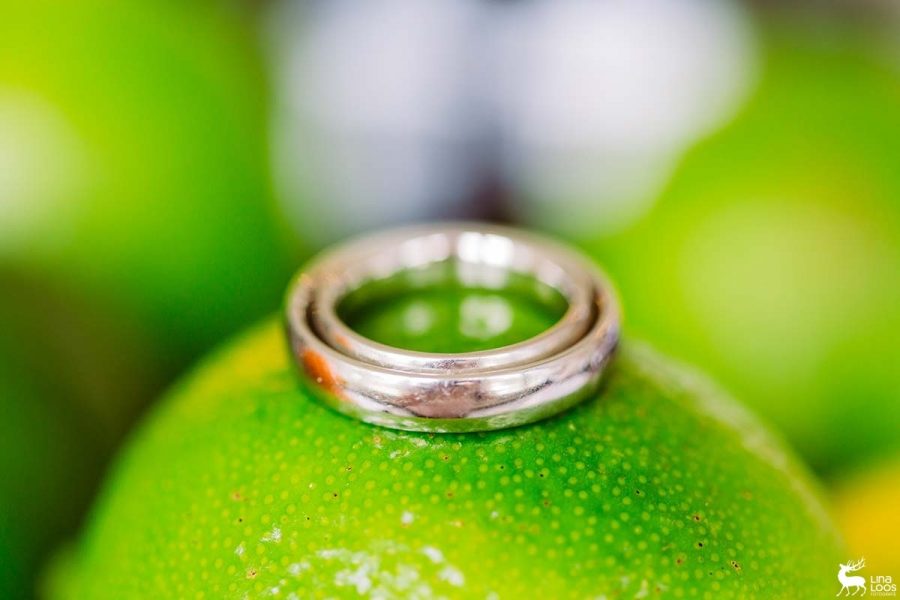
(471, 391)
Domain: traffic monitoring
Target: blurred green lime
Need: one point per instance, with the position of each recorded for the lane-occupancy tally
(134, 161)
(64, 365)
(136, 231)
(773, 257)
(239, 485)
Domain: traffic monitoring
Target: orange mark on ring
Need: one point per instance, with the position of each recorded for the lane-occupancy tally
(342, 340)
(317, 368)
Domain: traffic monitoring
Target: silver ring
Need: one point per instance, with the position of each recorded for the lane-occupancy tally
(471, 391)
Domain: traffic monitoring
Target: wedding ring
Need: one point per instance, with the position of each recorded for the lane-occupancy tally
(470, 391)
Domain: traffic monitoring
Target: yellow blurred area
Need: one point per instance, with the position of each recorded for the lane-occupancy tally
(867, 506)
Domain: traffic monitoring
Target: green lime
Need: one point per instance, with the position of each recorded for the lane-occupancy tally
(134, 161)
(66, 361)
(772, 257)
(240, 485)
(134, 233)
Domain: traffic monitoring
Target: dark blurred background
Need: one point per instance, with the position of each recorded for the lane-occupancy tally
(165, 166)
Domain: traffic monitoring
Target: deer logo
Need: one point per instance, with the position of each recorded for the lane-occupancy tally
(855, 581)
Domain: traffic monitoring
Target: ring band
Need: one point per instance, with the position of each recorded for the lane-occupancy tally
(470, 391)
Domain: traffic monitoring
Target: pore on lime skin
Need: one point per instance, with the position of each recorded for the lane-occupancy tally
(240, 485)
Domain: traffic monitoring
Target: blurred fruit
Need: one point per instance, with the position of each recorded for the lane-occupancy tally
(773, 257)
(579, 108)
(376, 111)
(866, 508)
(599, 101)
(240, 486)
(133, 161)
(65, 360)
(135, 232)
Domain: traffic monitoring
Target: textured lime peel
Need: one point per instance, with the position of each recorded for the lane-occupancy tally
(240, 486)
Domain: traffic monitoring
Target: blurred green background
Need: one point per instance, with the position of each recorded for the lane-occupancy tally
(164, 167)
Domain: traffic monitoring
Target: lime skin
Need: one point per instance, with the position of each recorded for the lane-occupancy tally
(239, 485)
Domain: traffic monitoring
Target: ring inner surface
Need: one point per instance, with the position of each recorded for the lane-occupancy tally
(452, 306)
